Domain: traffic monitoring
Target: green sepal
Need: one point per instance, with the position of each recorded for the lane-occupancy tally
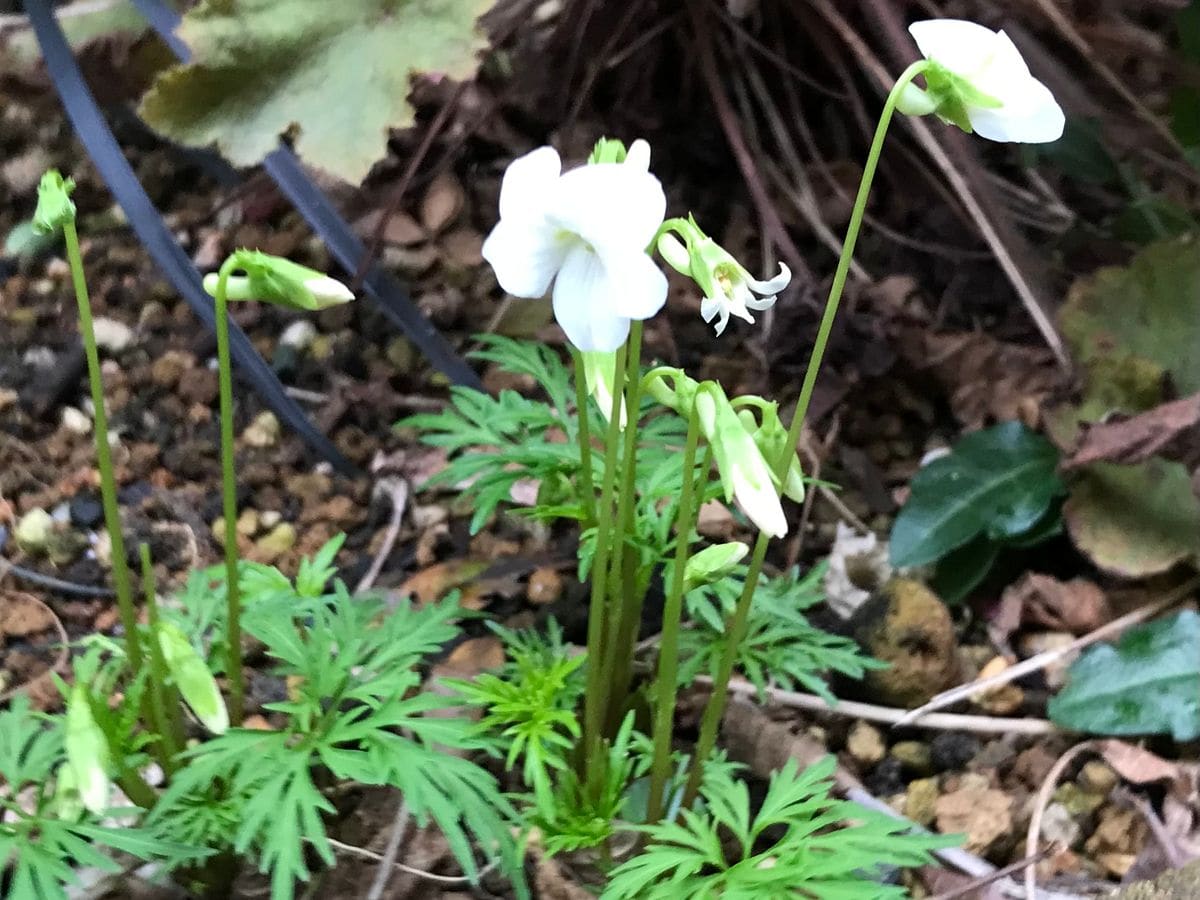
(607, 150)
(54, 207)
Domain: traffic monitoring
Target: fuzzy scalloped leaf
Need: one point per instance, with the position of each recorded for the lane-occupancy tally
(334, 76)
(1135, 521)
(1147, 683)
(1134, 329)
(1145, 311)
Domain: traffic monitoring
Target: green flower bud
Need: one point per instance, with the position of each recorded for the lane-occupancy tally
(273, 279)
(712, 564)
(600, 373)
(87, 751)
(191, 675)
(54, 206)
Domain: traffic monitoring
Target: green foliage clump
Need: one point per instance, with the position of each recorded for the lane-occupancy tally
(496, 442)
(781, 647)
(802, 842)
(45, 834)
(355, 711)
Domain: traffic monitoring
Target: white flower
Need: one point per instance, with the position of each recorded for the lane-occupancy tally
(745, 474)
(728, 288)
(990, 84)
(587, 231)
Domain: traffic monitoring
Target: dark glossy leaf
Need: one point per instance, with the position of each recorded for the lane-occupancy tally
(1147, 683)
(962, 570)
(999, 482)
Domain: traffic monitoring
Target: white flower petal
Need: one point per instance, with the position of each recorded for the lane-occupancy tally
(737, 306)
(638, 155)
(958, 45)
(1031, 117)
(637, 287)
(330, 290)
(758, 500)
(760, 302)
(611, 206)
(525, 255)
(529, 183)
(774, 285)
(709, 307)
(583, 303)
(1004, 70)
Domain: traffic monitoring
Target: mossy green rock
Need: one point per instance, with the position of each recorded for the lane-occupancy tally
(1178, 884)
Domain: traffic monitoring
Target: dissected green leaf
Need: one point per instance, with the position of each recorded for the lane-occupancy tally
(1147, 683)
(999, 482)
(334, 75)
(1135, 521)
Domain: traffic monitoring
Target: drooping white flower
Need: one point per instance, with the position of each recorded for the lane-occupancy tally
(586, 231)
(728, 288)
(745, 474)
(981, 83)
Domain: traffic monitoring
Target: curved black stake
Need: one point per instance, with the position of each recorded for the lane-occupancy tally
(106, 154)
(285, 170)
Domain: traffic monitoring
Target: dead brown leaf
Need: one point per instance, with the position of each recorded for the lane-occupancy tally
(442, 203)
(1077, 606)
(22, 615)
(1140, 766)
(1171, 431)
(431, 584)
(985, 380)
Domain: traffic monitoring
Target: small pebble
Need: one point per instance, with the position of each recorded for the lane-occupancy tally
(952, 750)
(1097, 778)
(299, 335)
(269, 519)
(865, 744)
(263, 431)
(920, 800)
(75, 420)
(33, 530)
(914, 755)
(112, 335)
(275, 543)
(1059, 825)
(86, 511)
(1078, 801)
(39, 358)
(885, 779)
(545, 586)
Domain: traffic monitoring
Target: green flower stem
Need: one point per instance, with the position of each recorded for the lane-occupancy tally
(587, 486)
(622, 592)
(737, 626)
(136, 788)
(668, 648)
(591, 758)
(233, 637)
(166, 746)
(108, 484)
